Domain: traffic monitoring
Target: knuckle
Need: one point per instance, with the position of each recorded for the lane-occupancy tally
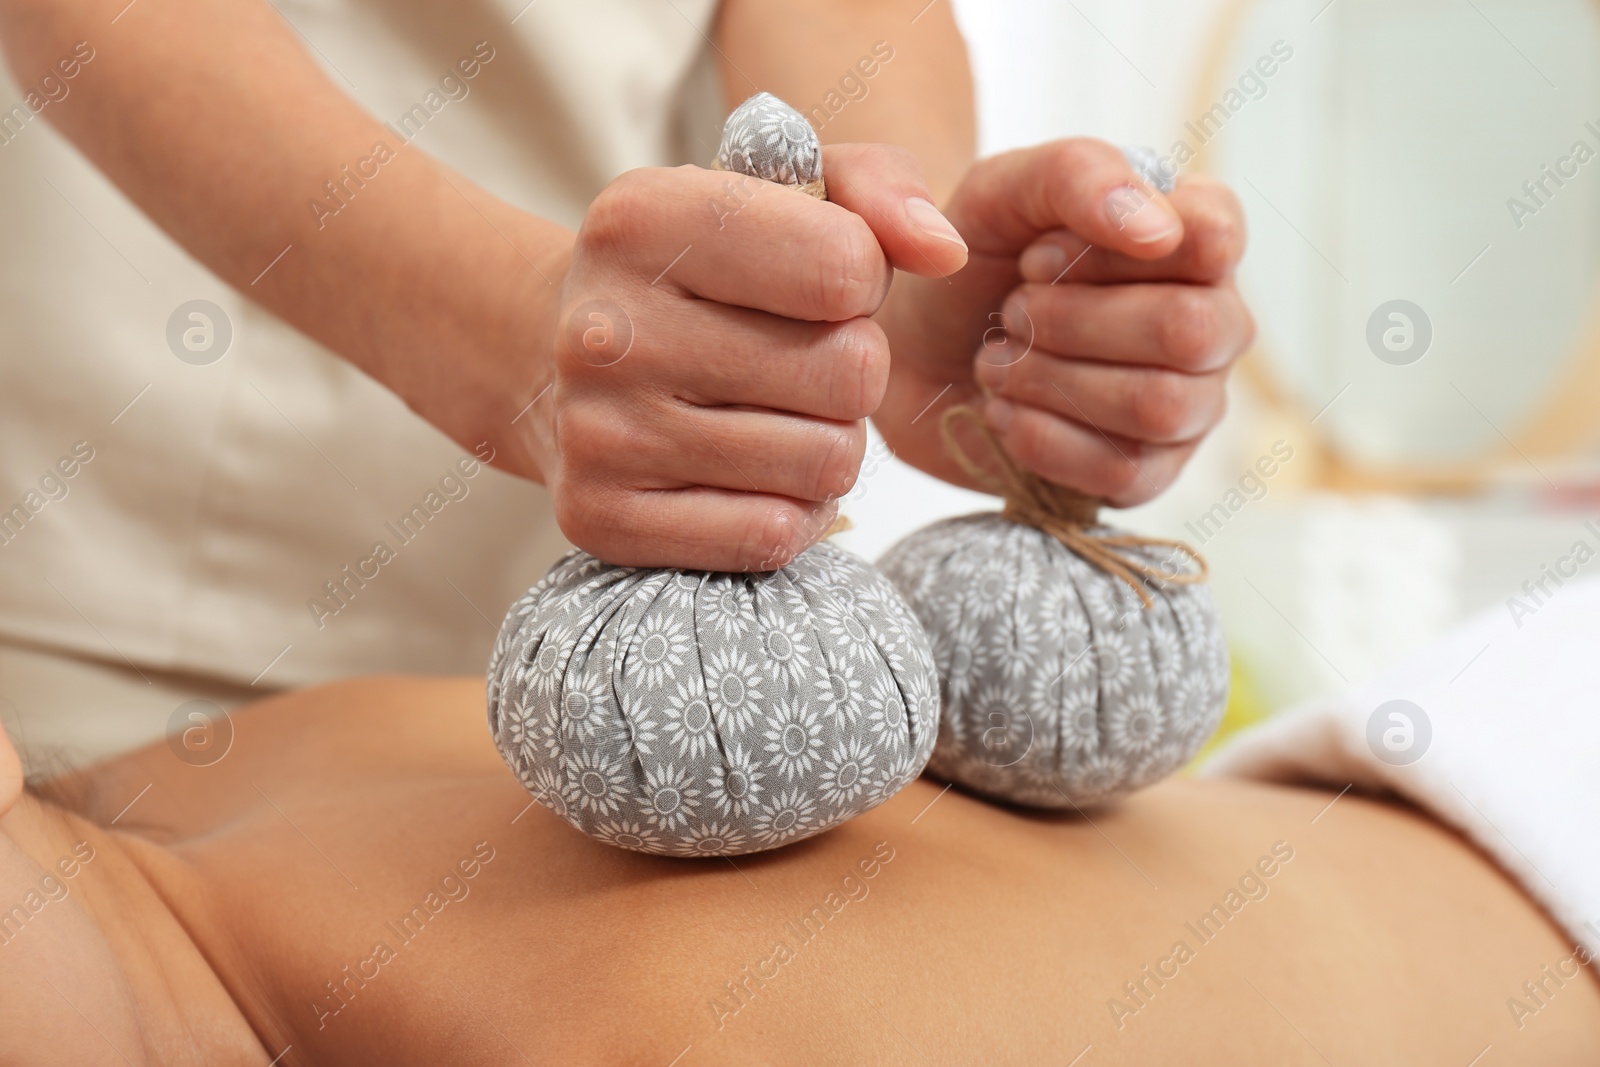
(1121, 480)
(1163, 406)
(1097, 470)
(1189, 328)
(837, 463)
(1072, 153)
(571, 366)
(1218, 233)
(574, 436)
(1026, 381)
(616, 215)
(774, 536)
(1132, 498)
(1031, 310)
(1150, 471)
(900, 158)
(1248, 337)
(1027, 439)
(591, 441)
(626, 435)
(581, 513)
(595, 333)
(873, 161)
(859, 371)
(851, 275)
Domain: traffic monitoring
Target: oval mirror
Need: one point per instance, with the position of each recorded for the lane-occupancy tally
(1423, 183)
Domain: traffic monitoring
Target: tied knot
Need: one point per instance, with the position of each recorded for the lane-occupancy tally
(1071, 517)
(816, 188)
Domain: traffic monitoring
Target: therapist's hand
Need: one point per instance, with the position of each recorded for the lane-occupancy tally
(1101, 315)
(714, 357)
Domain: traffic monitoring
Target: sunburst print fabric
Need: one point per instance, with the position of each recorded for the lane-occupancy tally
(766, 138)
(696, 714)
(1060, 689)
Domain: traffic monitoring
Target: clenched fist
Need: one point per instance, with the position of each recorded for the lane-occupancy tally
(715, 355)
(1100, 317)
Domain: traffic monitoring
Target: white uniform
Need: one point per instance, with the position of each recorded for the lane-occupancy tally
(168, 527)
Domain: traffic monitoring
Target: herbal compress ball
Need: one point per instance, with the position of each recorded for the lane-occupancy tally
(766, 138)
(694, 714)
(1060, 687)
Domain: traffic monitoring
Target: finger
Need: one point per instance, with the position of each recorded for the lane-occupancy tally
(694, 529)
(884, 185)
(1081, 185)
(710, 354)
(1140, 403)
(734, 239)
(1213, 243)
(1118, 470)
(754, 452)
(1191, 328)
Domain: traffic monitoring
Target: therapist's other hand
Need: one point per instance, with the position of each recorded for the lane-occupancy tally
(1101, 315)
(715, 356)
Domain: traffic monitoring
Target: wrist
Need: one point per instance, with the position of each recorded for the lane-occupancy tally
(479, 363)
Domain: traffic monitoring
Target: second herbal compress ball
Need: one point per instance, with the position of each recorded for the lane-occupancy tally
(1060, 687)
(695, 714)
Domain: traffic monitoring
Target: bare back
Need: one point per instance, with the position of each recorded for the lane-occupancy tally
(367, 883)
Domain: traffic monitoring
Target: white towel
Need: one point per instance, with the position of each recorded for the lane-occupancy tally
(1512, 699)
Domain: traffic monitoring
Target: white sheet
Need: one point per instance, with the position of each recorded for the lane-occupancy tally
(1514, 758)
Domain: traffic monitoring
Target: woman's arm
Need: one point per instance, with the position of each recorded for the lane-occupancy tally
(213, 119)
(872, 71)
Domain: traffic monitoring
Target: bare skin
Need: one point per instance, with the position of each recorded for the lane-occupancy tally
(737, 418)
(220, 124)
(211, 918)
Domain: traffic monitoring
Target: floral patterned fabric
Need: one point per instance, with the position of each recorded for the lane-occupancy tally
(1149, 165)
(1060, 689)
(766, 138)
(695, 714)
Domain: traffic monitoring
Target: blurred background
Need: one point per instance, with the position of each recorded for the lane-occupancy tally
(1416, 436)
(1422, 180)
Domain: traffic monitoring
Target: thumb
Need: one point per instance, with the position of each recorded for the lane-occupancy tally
(883, 184)
(1082, 185)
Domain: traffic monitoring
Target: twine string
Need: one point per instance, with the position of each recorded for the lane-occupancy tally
(1067, 515)
(817, 187)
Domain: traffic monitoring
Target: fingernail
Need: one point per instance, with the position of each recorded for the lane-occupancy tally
(999, 414)
(931, 221)
(1043, 263)
(1137, 215)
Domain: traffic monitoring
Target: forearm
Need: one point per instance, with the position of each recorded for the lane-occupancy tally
(861, 71)
(213, 119)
